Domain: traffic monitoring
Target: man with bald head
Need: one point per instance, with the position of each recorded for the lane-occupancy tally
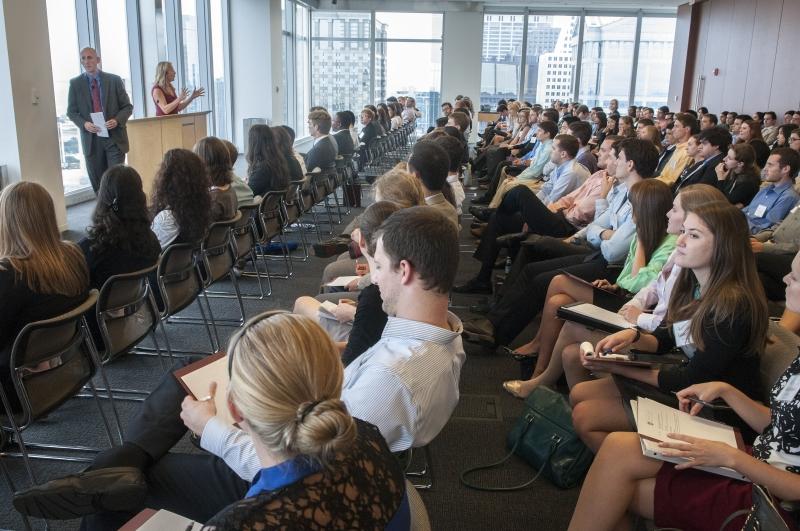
(97, 91)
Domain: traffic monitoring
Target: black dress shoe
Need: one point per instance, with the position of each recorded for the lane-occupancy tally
(482, 200)
(474, 286)
(511, 240)
(481, 212)
(481, 308)
(479, 331)
(105, 489)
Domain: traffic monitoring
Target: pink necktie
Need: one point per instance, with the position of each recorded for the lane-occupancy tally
(96, 105)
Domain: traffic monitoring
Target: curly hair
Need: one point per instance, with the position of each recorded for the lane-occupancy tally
(181, 185)
(120, 220)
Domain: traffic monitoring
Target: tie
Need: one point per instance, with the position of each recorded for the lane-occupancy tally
(96, 105)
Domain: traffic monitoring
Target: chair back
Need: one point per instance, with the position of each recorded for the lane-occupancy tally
(51, 361)
(126, 311)
(780, 352)
(218, 253)
(244, 232)
(419, 514)
(179, 280)
(270, 219)
(292, 203)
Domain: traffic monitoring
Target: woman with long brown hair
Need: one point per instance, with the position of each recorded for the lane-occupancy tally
(738, 176)
(717, 316)
(750, 132)
(41, 276)
(214, 154)
(656, 233)
(267, 166)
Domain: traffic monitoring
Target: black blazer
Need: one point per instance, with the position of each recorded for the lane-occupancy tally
(370, 132)
(703, 172)
(344, 141)
(322, 154)
(116, 104)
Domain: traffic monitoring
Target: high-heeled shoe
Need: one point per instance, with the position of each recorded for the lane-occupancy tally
(514, 388)
(518, 356)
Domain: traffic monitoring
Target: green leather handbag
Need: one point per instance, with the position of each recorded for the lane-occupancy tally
(545, 438)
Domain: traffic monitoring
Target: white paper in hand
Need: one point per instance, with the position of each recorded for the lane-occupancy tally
(342, 281)
(100, 121)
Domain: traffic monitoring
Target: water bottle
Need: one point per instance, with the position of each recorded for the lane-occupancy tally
(508, 265)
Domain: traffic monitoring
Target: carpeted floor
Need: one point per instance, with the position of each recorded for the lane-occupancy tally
(475, 434)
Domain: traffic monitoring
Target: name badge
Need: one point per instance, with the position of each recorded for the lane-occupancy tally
(760, 211)
(790, 390)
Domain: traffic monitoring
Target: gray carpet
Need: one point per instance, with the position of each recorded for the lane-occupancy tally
(475, 434)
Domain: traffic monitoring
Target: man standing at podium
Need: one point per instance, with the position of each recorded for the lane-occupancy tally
(103, 138)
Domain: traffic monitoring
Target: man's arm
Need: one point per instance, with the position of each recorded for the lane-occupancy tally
(615, 248)
(124, 103)
(233, 446)
(72, 108)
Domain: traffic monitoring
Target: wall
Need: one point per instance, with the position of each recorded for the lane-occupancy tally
(28, 133)
(752, 43)
(461, 55)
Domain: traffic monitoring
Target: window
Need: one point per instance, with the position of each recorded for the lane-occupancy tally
(551, 43)
(408, 61)
(65, 56)
(154, 44)
(501, 58)
(113, 29)
(191, 57)
(340, 64)
(219, 88)
(302, 80)
(607, 60)
(655, 61)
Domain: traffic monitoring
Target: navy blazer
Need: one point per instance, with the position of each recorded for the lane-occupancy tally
(322, 154)
(116, 104)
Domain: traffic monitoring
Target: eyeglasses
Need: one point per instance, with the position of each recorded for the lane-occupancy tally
(249, 324)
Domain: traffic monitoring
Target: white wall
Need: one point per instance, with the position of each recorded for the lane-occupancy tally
(28, 133)
(255, 48)
(461, 56)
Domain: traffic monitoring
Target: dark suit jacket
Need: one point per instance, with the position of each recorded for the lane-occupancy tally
(703, 172)
(370, 132)
(344, 141)
(322, 154)
(116, 104)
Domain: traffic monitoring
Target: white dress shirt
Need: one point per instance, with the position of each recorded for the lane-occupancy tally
(406, 385)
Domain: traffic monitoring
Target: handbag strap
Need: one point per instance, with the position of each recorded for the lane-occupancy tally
(465, 473)
(733, 516)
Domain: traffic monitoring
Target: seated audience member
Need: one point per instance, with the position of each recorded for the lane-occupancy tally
(567, 174)
(119, 240)
(669, 148)
(414, 368)
(717, 316)
(410, 113)
(521, 209)
(376, 120)
(713, 147)
(708, 121)
(460, 120)
(599, 128)
(682, 129)
(430, 163)
(783, 138)
(656, 232)
(447, 108)
(369, 130)
(672, 495)
(652, 134)
(267, 166)
(285, 392)
(341, 133)
(383, 118)
(284, 137)
(181, 200)
(355, 326)
(626, 129)
(750, 133)
(244, 194)
(41, 276)
(769, 131)
(217, 162)
(395, 116)
(794, 139)
(455, 150)
(608, 240)
(324, 149)
(737, 175)
(774, 250)
(583, 134)
(772, 203)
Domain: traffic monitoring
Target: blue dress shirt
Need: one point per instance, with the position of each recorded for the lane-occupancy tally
(770, 205)
(89, 79)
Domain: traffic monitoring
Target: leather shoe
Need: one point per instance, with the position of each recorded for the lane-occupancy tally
(511, 240)
(477, 231)
(480, 212)
(482, 200)
(479, 331)
(106, 489)
(474, 286)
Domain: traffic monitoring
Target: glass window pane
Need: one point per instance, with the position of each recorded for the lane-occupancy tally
(191, 57)
(552, 43)
(221, 108)
(411, 69)
(302, 80)
(154, 43)
(410, 25)
(501, 58)
(340, 68)
(607, 60)
(65, 56)
(655, 61)
(113, 26)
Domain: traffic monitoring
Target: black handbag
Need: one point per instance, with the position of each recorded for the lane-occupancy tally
(762, 516)
(545, 438)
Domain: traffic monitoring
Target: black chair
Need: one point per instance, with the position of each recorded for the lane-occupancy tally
(271, 225)
(245, 239)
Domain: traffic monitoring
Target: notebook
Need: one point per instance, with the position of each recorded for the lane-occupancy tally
(594, 317)
(152, 520)
(196, 378)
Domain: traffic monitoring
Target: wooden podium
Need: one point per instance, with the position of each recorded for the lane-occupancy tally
(150, 138)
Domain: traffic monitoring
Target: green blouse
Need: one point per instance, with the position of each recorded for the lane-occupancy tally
(650, 270)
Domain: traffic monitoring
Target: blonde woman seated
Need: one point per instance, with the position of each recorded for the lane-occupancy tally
(655, 240)
(717, 317)
(321, 468)
(623, 481)
(397, 186)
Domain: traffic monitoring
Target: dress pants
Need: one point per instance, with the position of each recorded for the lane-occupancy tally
(771, 270)
(105, 154)
(197, 486)
(524, 296)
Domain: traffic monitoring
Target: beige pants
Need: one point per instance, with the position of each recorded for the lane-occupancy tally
(507, 184)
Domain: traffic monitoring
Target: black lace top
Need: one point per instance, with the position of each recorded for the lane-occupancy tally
(364, 489)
